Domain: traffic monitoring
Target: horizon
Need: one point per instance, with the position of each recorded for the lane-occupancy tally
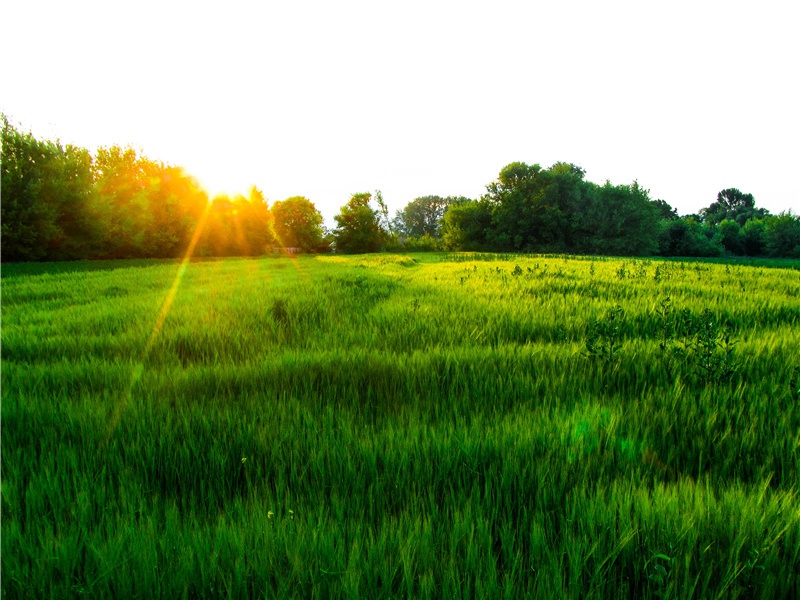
(431, 99)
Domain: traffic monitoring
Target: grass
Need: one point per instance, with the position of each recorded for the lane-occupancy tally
(388, 426)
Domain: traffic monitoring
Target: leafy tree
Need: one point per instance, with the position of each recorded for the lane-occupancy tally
(731, 236)
(465, 224)
(383, 213)
(754, 237)
(665, 211)
(782, 235)
(358, 227)
(148, 209)
(257, 223)
(734, 205)
(423, 216)
(688, 237)
(531, 206)
(298, 223)
(618, 220)
(47, 206)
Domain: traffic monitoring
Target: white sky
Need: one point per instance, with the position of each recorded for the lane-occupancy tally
(329, 98)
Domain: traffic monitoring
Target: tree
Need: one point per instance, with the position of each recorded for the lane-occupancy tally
(383, 213)
(358, 227)
(734, 205)
(665, 211)
(149, 209)
(530, 206)
(423, 216)
(298, 223)
(465, 224)
(47, 206)
(754, 235)
(731, 237)
(688, 237)
(782, 235)
(615, 219)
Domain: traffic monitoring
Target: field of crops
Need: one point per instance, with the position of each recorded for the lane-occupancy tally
(398, 426)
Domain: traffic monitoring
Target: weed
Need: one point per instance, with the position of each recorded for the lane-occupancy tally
(604, 336)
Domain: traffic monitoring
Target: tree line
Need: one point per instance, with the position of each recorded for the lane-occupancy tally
(60, 202)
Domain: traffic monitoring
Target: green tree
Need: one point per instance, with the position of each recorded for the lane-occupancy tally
(754, 235)
(782, 235)
(531, 206)
(298, 223)
(47, 205)
(148, 209)
(358, 227)
(734, 205)
(688, 237)
(731, 236)
(423, 216)
(465, 224)
(665, 211)
(615, 219)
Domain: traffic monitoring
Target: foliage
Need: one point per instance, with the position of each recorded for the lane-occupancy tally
(618, 220)
(49, 208)
(782, 233)
(358, 227)
(147, 209)
(688, 237)
(531, 209)
(734, 205)
(62, 203)
(237, 226)
(298, 223)
(423, 216)
(464, 226)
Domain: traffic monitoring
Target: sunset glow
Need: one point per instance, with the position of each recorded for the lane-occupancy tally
(326, 100)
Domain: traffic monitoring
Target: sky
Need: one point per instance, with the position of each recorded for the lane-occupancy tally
(326, 99)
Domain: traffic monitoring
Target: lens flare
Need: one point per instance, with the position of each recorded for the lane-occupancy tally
(138, 368)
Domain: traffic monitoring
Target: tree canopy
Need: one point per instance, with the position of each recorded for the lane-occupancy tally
(298, 223)
(60, 202)
(358, 226)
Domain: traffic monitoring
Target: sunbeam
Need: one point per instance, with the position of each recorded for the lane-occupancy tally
(138, 368)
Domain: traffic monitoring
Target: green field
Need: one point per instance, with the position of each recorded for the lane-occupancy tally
(398, 426)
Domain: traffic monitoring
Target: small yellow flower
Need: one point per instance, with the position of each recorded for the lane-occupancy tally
(270, 514)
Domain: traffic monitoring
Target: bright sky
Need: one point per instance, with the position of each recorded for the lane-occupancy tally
(325, 99)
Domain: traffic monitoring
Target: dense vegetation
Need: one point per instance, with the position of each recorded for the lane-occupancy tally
(555, 210)
(61, 203)
(438, 426)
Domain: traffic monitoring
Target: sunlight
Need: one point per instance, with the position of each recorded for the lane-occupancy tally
(220, 185)
(162, 315)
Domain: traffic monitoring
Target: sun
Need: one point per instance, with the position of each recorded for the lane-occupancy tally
(215, 186)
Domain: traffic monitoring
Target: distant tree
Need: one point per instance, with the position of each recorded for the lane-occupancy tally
(423, 216)
(665, 211)
(47, 203)
(465, 224)
(358, 226)
(531, 207)
(257, 223)
(731, 237)
(734, 205)
(688, 237)
(298, 223)
(616, 219)
(383, 213)
(754, 236)
(148, 209)
(782, 235)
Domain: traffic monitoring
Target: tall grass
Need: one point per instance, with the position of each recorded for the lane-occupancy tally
(442, 426)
